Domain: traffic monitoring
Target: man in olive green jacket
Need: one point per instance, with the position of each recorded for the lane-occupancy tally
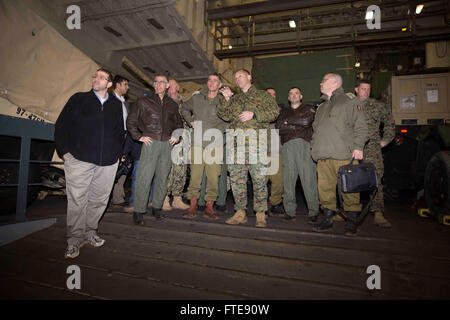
(200, 111)
(340, 132)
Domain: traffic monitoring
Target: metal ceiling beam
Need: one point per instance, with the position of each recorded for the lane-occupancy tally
(295, 46)
(266, 7)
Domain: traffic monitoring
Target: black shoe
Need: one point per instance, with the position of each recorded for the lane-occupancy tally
(156, 213)
(312, 219)
(350, 227)
(138, 218)
(277, 210)
(327, 222)
(288, 218)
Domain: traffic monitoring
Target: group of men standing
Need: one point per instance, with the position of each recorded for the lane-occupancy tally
(315, 142)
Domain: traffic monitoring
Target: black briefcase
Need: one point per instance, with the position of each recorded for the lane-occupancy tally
(356, 178)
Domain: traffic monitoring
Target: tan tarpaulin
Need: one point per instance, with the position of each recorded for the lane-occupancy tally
(39, 69)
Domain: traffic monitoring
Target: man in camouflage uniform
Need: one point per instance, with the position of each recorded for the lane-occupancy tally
(249, 110)
(177, 176)
(340, 132)
(376, 113)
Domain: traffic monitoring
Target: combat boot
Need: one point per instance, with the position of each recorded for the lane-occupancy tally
(350, 227)
(209, 211)
(327, 222)
(138, 218)
(261, 220)
(239, 217)
(156, 213)
(338, 218)
(178, 203)
(166, 204)
(192, 212)
(380, 220)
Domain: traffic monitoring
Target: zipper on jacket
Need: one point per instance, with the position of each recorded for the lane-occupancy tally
(162, 118)
(103, 135)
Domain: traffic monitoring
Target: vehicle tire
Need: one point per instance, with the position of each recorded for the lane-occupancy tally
(437, 183)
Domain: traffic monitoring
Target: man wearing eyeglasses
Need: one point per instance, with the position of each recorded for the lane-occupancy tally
(153, 120)
(89, 134)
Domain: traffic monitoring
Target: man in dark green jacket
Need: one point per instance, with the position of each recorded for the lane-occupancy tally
(340, 132)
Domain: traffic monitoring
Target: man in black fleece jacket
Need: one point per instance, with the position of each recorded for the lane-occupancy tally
(89, 135)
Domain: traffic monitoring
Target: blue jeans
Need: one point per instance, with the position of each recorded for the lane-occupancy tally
(133, 180)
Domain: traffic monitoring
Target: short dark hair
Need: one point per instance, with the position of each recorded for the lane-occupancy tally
(359, 81)
(214, 74)
(295, 88)
(118, 79)
(161, 75)
(270, 88)
(107, 72)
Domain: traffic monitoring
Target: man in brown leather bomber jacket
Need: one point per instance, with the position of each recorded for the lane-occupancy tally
(152, 121)
(295, 125)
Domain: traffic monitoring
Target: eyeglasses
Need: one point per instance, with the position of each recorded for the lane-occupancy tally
(100, 77)
(160, 82)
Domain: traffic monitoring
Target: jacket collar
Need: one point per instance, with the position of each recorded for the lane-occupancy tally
(337, 92)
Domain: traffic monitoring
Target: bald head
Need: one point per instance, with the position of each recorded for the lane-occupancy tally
(336, 77)
(330, 82)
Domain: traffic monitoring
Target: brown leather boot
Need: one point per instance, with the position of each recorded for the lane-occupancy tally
(192, 212)
(209, 211)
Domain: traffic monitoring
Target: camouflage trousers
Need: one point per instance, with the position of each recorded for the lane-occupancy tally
(372, 153)
(178, 174)
(238, 175)
(176, 179)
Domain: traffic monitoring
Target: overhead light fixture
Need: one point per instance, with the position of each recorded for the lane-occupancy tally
(230, 47)
(186, 64)
(113, 31)
(404, 29)
(155, 23)
(369, 15)
(419, 8)
(292, 24)
(149, 69)
(357, 64)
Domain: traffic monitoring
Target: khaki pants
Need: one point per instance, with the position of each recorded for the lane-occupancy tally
(88, 187)
(276, 189)
(118, 193)
(327, 171)
(212, 172)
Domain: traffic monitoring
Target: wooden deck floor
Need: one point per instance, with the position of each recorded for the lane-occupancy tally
(199, 259)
